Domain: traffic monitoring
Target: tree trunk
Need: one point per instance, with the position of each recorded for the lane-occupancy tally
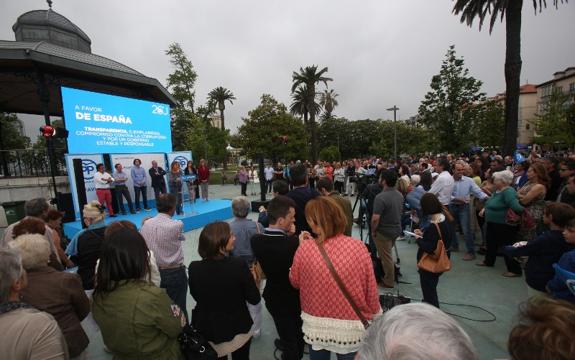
(314, 152)
(512, 74)
(222, 118)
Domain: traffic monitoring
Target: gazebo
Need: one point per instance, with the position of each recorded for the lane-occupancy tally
(50, 51)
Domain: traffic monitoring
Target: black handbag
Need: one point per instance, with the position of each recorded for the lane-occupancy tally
(194, 346)
(389, 301)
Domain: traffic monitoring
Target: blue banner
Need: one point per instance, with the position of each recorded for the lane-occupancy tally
(101, 123)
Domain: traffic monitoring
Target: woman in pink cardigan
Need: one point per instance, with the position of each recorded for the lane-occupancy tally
(330, 323)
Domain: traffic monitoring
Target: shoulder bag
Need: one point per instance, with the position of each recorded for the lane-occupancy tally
(341, 286)
(194, 346)
(438, 262)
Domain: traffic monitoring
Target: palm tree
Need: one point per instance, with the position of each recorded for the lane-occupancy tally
(300, 104)
(219, 96)
(309, 77)
(511, 11)
(328, 101)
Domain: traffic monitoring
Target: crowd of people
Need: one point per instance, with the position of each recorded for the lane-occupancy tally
(318, 283)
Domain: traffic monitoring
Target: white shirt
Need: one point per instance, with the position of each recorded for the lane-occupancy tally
(269, 173)
(443, 187)
(99, 180)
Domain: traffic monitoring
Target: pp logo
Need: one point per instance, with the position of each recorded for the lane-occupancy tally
(88, 168)
(182, 160)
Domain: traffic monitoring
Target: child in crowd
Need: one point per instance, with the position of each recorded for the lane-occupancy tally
(558, 285)
(546, 249)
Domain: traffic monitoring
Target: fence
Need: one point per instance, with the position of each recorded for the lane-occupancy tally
(28, 163)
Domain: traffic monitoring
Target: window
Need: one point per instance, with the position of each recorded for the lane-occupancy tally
(572, 87)
(527, 127)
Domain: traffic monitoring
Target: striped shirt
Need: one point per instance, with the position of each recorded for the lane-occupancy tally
(164, 236)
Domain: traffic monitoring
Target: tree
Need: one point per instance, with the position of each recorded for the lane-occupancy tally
(310, 76)
(265, 129)
(219, 96)
(511, 11)
(38, 159)
(300, 105)
(554, 123)
(447, 108)
(330, 153)
(11, 138)
(487, 118)
(329, 102)
(183, 80)
(181, 84)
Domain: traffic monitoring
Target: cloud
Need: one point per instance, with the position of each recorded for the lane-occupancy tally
(380, 53)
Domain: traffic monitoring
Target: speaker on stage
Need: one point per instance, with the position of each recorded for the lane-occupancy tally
(66, 204)
(80, 187)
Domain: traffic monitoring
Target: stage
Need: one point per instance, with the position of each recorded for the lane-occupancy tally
(194, 217)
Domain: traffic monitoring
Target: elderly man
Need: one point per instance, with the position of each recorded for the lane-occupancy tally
(416, 331)
(463, 188)
(158, 180)
(38, 334)
(165, 238)
(443, 185)
(36, 208)
(243, 229)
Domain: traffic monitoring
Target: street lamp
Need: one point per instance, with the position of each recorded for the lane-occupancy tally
(394, 109)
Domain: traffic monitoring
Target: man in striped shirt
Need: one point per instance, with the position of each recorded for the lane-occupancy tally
(164, 236)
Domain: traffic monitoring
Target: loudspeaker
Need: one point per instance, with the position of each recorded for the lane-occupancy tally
(66, 204)
(80, 186)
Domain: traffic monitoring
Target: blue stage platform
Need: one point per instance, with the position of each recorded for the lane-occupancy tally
(194, 217)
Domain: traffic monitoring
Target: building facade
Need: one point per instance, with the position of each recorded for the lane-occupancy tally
(527, 112)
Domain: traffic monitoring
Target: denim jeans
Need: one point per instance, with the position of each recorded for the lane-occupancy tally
(175, 281)
(326, 355)
(461, 215)
(144, 191)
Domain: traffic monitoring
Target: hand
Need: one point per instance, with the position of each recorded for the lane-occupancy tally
(418, 232)
(482, 212)
(261, 209)
(305, 236)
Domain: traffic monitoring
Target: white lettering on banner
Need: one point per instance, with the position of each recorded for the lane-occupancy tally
(121, 119)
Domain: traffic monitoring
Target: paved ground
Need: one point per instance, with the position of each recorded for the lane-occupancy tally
(465, 284)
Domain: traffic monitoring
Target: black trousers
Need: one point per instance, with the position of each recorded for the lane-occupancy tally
(141, 190)
(242, 353)
(338, 185)
(244, 188)
(269, 186)
(159, 189)
(290, 333)
(123, 191)
(428, 282)
(499, 235)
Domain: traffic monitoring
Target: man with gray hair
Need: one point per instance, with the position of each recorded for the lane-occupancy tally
(243, 229)
(27, 333)
(416, 331)
(36, 208)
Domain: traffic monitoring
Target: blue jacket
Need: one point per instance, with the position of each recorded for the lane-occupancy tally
(543, 251)
(557, 285)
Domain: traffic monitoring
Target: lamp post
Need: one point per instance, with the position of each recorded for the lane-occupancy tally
(394, 109)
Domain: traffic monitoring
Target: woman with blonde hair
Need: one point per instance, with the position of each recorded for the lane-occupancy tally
(331, 322)
(175, 185)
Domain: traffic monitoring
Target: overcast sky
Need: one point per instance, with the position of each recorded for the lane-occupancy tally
(379, 52)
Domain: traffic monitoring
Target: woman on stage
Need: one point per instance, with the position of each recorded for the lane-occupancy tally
(175, 184)
(203, 178)
(192, 173)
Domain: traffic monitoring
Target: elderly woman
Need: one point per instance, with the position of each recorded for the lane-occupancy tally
(498, 233)
(85, 247)
(39, 336)
(175, 185)
(330, 323)
(137, 319)
(243, 178)
(417, 331)
(221, 286)
(57, 293)
(34, 225)
(53, 219)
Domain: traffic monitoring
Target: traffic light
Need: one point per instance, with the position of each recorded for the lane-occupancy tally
(53, 132)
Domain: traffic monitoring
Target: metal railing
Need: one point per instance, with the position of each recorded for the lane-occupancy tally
(28, 163)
